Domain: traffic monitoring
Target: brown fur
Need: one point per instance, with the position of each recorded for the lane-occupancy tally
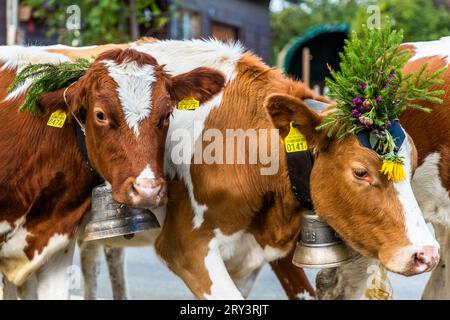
(239, 198)
(43, 177)
(428, 130)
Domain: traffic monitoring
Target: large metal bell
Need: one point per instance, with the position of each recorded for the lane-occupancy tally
(319, 246)
(111, 219)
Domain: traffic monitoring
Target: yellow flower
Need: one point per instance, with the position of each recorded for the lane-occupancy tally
(393, 170)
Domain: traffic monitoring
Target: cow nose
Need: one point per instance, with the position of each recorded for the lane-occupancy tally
(148, 193)
(425, 259)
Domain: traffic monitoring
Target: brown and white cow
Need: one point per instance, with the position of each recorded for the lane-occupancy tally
(431, 183)
(125, 99)
(223, 222)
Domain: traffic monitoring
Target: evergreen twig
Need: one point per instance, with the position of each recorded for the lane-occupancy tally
(47, 78)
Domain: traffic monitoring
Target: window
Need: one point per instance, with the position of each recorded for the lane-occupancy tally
(190, 25)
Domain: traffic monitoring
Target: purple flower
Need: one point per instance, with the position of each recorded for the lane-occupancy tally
(361, 109)
(388, 124)
(385, 87)
(378, 99)
(392, 75)
(357, 101)
(356, 114)
(363, 86)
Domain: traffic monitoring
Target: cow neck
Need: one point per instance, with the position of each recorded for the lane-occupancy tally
(80, 128)
(81, 142)
(299, 166)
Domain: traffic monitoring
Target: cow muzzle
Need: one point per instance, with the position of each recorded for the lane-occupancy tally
(148, 193)
(412, 260)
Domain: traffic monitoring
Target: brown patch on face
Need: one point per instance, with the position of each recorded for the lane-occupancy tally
(367, 214)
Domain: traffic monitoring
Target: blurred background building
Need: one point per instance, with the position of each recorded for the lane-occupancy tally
(247, 21)
(299, 36)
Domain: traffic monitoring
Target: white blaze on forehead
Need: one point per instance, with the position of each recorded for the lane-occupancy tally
(134, 87)
(416, 228)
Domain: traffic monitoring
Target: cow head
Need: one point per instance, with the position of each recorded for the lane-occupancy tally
(375, 216)
(125, 99)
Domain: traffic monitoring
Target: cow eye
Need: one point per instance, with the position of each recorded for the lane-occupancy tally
(100, 116)
(361, 174)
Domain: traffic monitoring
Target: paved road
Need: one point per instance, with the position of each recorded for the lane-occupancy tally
(148, 278)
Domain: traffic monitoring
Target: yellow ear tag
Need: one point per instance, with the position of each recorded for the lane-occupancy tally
(188, 104)
(295, 141)
(57, 119)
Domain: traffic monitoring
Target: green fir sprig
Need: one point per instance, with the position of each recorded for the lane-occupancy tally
(47, 78)
(371, 91)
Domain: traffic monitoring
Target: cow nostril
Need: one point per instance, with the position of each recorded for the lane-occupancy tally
(133, 190)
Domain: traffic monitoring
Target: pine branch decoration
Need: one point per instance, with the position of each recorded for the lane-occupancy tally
(371, 92)
(47, 78)
(370, 89)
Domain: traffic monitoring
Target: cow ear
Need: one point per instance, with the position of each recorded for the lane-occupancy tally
(283, 109)
(201, 84)
(51, 101)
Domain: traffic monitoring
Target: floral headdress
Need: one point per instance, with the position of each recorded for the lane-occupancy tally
(370, 92)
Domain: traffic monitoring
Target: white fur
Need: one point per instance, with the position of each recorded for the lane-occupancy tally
(16, 242)
(243, 254)
(147, 174)
(53, 278)
(244, 257)
(304, 296)
(433, 198)
(195, 53)
(4, 227)
(16, 264)
(17, 57)
(192, 122)
(432, 48)
(416, 228)
(134, 86)
(223, 287)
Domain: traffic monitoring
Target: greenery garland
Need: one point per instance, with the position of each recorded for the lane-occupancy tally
(47, 78)
(371, 91)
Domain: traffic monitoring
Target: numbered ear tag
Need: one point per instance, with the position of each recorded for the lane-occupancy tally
(188, 104)
(295, 141)
(57, 119)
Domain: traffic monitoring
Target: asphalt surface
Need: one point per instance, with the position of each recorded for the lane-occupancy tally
(148, 278)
